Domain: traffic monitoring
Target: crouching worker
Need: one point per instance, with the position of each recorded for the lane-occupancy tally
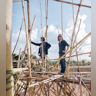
(43, 47)
(63, 47)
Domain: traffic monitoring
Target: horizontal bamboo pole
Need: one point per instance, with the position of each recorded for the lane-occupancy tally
(70, 3)
(16, 70)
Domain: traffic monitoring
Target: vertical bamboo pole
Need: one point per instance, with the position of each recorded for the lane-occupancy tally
(41, 18)
(62, 19)
(2, 48)
(80, 86)
(46, 13)
(29, 44)
(9, 66)
(28, 39)
(27, 32)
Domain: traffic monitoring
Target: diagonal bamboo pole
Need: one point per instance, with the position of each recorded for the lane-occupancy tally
(18, 37)
(73, 33)
(71, 3)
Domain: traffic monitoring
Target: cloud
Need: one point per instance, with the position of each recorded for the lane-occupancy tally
(86, 46)
(21, 42)
(53, 32)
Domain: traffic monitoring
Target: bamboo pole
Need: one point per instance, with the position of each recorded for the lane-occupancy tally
(28, 39)
(85, 53)
(73, 33)
(3, 4)
(71, 3)
(46, 13)
(41, 18)
(28, 45)
(18, 64)
(32, 24)
(74, 27)
(73, 11)
(18, 37)
(62, 19)
(75, 41)
(80, 86)
(75, 37)
(29, 48)
(9, 67)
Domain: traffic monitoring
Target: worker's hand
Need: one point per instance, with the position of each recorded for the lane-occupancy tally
(41, 46)
(63, 51)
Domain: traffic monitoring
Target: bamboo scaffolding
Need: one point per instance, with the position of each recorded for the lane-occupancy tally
(75, 46)
(74, 27)
(27, 36)
(46, 85)
(46, 81)
(73, 33)
(71, 3)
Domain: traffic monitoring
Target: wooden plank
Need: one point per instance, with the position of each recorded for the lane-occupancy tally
(2, 48)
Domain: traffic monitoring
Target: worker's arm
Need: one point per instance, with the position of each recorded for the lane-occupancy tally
(48, 45)
(37, 44)
(67, 46)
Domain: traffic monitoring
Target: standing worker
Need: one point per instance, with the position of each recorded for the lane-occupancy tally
(63, 47)
(43, 47)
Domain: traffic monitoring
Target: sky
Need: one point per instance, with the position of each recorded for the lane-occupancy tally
(54, 25)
